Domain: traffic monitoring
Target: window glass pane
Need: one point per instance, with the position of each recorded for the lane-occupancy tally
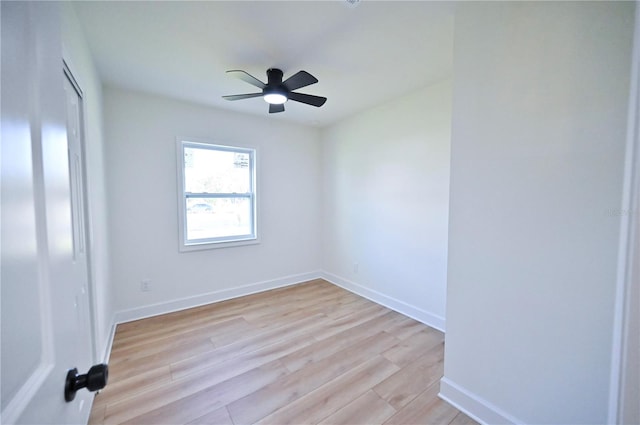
(216, 218)
(216, 171)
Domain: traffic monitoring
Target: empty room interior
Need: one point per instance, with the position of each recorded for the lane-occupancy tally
(356, 212)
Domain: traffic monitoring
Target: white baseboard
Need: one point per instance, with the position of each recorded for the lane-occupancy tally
(416, 313)
(473, 406)
(211, 297)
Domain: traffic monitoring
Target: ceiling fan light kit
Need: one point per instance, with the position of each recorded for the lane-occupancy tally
(275, 98)
(276, 92)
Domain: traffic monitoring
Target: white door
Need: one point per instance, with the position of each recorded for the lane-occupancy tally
(80, 259)
(46, 329)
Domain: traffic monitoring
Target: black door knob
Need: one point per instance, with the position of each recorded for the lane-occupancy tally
(94, 380)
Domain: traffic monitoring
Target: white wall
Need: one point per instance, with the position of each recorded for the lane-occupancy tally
(539, 119)
(141, 168)
(77, 55)
(385, 202)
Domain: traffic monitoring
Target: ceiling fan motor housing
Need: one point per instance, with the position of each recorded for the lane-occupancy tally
(274, 83)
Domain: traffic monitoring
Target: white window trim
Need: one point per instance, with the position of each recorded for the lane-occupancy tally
(182, 223)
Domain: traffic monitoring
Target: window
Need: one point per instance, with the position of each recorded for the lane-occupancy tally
(217, 199)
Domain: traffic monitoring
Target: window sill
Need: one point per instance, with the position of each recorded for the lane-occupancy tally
(217, 245)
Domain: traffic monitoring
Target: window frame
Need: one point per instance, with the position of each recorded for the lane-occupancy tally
(219, 242)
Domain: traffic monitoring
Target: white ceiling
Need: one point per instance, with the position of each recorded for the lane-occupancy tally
(362, 56)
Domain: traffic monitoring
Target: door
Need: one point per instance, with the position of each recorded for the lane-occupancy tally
(79, 264)
(45, 328)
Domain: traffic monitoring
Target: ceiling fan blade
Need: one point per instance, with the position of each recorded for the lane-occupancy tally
(248, 78)
(242, 96)
(308, 99)
(299, 80)
(276, 108)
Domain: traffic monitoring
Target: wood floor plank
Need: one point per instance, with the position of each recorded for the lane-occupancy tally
(250, 359)
(369, 408)
(406, 327)
(132, 366)
(406, 384)
(281, 311)
(167, 325)
(331, 397)
(307, 353)
(440, 412)
(97, 414)
(347, 305)
(353, 319)
(414, 347)
(297, 384)
(196, 405)
(186, 386)
(269, 341)
(338, 342)
(217, 417)
(129, 333)
(462, 419)
(175, 332)
(123, 388)
(427, 408)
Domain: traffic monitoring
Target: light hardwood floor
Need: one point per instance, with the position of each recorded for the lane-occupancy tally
(307, 354)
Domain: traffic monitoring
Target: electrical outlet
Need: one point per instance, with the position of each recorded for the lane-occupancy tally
(145, 285)
(356, 266)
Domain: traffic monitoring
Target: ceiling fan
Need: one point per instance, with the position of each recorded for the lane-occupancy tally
(276, 92)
